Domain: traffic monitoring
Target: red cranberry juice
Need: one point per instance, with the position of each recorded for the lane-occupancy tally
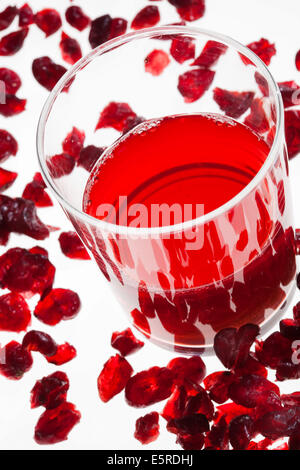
(240, 267)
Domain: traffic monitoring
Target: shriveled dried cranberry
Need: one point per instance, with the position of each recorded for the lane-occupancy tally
(217, 384)
(147, 17)
(14, 361)
(72, 246)
(175, 406)
(156, 62)
(65, 353)
(193, 424)
(229, 411)
(113, 378)
(77, 18)
(55, 425)
(264, 49)
(257, 118)
(279, 423)
(47, 73)
(7, 178)
(252, 390)
(26, 16)
(182, 49)
(35, 191)
(12, 43)
(50, 391)
(12, 106)
(70, 49)
(149, 387)
(194, 83)
(199, 403)
(125, 342)
(287, 370)
(73, 143)
(251, 366)
(14, 313)
(8, 145)
(189, 10)
(11, 80)
(217, 438)
(61, 165)
(188, 442)
(292, 132)
(41, 342)
(19, 215)
(26, 272)
(115, 115)
(59, 304)
(105, 28)
(291, 399)
(132, 123)
(89, 156)
(241, 430)
(273, 350)
(147, 428)
(233, 103)
(7, 16)
(48, 20)
(290, 93)
(290, 328)
(192, 369)
(210, 54)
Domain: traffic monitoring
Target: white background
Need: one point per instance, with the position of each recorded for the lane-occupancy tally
(111, 426)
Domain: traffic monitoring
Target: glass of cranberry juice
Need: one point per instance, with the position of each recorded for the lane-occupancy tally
(179, 183)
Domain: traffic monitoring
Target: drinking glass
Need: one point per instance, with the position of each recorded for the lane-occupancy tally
(178, 293)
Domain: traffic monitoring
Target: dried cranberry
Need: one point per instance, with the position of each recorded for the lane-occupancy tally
(22, 271)
(251, 366)
(253, 390)
(217, 384)
(140, 322)
(76, 18)
(189, 10)
(290, 93)
(156, 62)
(191, 369)
(233, 103)
(73, 143)
(70, 49)
(292, 399)
(55, 425)
(41, 342)
(14, 361)
(287, 370)
(48, 20)
(262, 84)
(65, 353)
(115, 115)
(296, 311)
(279, 423)
(273, 350)
(59, 304)
(125, 342)
(147, 428)
(175, 406)
(12, 106)
(229, 411)
(7, 16)
(14, 313)
(257, 118)
(26, 16)
(105, 28)
(294, 440)
(12, 43)
(149, 387)
(8, 145)
(47, 73)
(217, 438)
(132, 123)
(210, 54)
(290, 328)
(193, 424)
(72, 246)
(60, 165)
(241, 430)
(113, 378)
(7, 178)
(292, 132)
(11, 80)
(89, 156)
(147, 17)
(19, 215)
(194, 83)
(264, 49)
(188, 442)
(35, 191)
(50, 391)
(200, 403)
(182, 49)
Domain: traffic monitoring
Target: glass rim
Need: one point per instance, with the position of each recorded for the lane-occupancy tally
(143, 34)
